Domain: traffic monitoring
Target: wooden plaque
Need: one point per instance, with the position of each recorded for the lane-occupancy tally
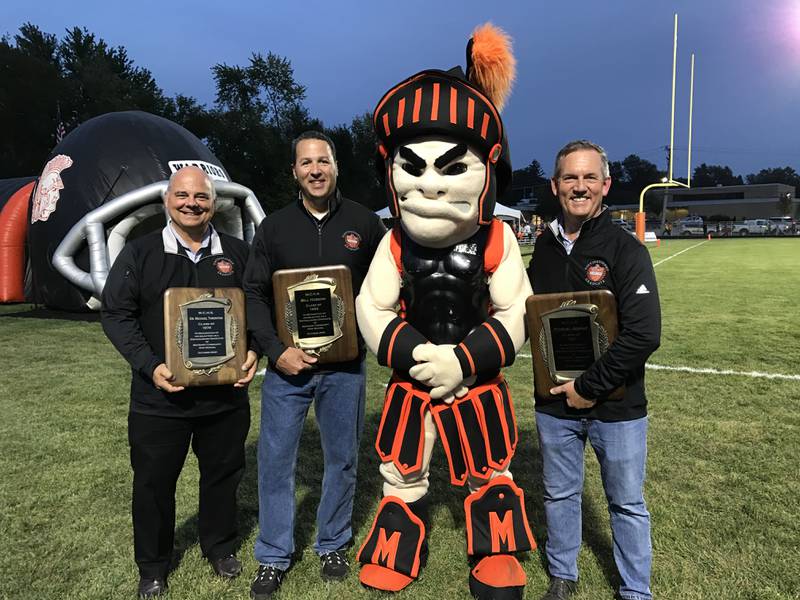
(205, 335)
(569, 331)
(315, 311)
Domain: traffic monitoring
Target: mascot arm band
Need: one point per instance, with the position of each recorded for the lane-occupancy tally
(488, 347)
(397, 343)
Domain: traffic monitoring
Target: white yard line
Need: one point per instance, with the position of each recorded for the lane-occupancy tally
(663, 260)
(703, 371)
(710, 371)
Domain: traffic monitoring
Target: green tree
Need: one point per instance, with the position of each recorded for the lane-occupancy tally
(617, 171)
(187, 112)
(785, 175)
(356, 156)
(639, 172)
(30, 88)
(533, 171)
(526, 183)
(265, 90)
(713, 175)
(46, 81)
(100, 78)
(629, 177)
(258, 111)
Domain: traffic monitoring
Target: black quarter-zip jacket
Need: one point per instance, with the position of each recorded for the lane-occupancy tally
(291, 238)
(605, 257)
(133, 315)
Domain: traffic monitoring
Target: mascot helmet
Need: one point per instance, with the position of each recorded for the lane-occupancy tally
(455, 105)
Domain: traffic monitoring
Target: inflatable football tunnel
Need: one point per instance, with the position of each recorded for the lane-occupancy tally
(100, 187)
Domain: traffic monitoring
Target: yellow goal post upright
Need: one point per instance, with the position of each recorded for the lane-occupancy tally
(669, 181)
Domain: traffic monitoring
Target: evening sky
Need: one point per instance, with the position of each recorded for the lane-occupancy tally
(586, 69)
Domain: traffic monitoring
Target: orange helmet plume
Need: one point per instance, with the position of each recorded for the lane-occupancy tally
(490, 62)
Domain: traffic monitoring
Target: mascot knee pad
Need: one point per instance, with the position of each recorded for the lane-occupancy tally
(496, 519)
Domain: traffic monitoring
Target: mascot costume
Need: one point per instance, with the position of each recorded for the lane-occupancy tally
(443, 305)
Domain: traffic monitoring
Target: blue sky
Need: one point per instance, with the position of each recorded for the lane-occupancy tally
(594, 69)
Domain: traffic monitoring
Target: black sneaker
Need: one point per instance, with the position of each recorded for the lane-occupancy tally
(267, 581)
(334, 565)
(560, 589)
(151, 588)
(227, 567)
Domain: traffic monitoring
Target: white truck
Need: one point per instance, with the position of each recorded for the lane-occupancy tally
(752, 227)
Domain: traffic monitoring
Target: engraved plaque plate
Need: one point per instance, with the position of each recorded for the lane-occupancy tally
(315, 311)
(204, 335)
(569, 332)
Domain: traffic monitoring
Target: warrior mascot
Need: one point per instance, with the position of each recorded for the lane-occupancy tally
(443, 306)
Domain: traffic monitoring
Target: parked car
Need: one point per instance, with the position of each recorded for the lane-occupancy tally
(752, 227)
(622, 223)
(692, 225)
(783, 225)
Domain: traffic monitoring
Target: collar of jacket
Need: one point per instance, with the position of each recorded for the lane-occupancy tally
(334, 202)
(588, 227)
(171, 242)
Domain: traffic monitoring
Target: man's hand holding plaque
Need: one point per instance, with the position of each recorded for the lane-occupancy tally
(293, 361)
(315, 314)
(569, 331)
(205, 339)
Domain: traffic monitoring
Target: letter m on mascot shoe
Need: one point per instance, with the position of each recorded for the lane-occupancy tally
(391, 553)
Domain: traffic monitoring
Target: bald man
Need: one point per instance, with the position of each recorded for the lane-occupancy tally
(164, 419)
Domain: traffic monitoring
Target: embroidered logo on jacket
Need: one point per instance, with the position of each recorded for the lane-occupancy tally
(224, 266)
(596, 272)
(352, 241)
(642, 289)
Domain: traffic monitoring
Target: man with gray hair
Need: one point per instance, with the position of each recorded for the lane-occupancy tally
(583, 250)
(164, 418)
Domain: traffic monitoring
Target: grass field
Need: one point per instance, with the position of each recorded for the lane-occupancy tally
(723, 477)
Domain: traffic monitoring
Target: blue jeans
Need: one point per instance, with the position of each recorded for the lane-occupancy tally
(621, 450)
(339, 408)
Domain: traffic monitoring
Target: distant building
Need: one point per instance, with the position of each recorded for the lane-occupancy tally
(733, 201)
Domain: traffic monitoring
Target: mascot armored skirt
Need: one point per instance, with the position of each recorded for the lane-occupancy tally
(443, 304)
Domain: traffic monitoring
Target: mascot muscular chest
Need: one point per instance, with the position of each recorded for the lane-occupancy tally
(445, 292)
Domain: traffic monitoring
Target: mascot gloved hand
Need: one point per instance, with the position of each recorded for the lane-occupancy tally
(443, 305)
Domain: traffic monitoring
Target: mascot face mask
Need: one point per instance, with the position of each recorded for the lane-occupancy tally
(438, 185)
